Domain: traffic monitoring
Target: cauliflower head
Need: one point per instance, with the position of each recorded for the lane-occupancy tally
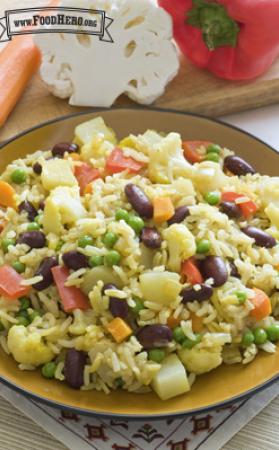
(181, 245)
(209, 176)
(142, 35)
(28, 347)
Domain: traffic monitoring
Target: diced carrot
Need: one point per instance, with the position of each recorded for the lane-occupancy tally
(88, 189)
(173, 322)
(197, 323)
(191, 271)
(117, 162)
(71, 297)
(85, 174)
(7, 194)
(10, 283)
(190, 150)
(247, 208)
(119, 329)
(163, 209)
(262, 305)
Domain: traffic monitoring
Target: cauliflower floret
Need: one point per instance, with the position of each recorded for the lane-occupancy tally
(270, 191)
(201, 360)
(166, 160)
(28, 347)
(181, 245)
(209, 176)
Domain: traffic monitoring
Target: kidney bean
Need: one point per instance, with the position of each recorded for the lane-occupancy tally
(151, 237)
(238, 166)
(233, 270)
(231, 210)
(29, 209)
(42, 205)
(75, 260)
(35, 239)
(190, 294)
(63, 147)
(74, 366)
(139, 201)
(152, 336)
(109, 286)
(37, 168)
(180, 214)
(117, 306)
(262, 239)
(214, 267)
(44, 269)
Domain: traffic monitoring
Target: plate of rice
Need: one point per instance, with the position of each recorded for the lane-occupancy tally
(139, 260)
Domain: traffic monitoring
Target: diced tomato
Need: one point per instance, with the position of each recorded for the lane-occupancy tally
(85, 174)
(190, 150)
(117, 162)
(190, 270)
(247, 208)
(10, 283)
(71, 297)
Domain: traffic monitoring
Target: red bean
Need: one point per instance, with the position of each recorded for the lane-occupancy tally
(238, 166)
(151, 237)
(262, 239)
(139, 201)
(74, 366)
(214, 267)
(75, 260)
(152, 336)
(231, 210)
(29, 208)
(180, 214)
(44, 269)
(62, 147)
(35, 239)
(118, 307)
(37, 168)
(233, 270)
(190, 294)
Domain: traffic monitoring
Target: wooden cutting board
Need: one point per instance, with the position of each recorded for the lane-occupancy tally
(192, 90)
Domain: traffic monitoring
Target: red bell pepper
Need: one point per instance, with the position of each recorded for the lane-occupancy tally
(247, 208)
(117, 162)
(71, 297)
(10, 283)
(190, 270)
(234, 39)
(84, 174)
(190, 150)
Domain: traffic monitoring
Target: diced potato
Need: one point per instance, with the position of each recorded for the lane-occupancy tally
(52, 218)
(272, 213)
(57, 172)
(210, 177)
(181, 245)
(171, 380)
(86, 131)
(105, 274)
(201, 360)
(160, 287)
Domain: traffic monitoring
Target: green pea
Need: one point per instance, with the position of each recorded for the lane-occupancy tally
(33, 226)
(85, 240)
(260, 336)
(241, 296)
(96, 260)
(212, 157)
(24, 303)
(37, 219)
(190, 343)
(6, 242)
(119, 383)
(110, 239)
(48, 369)
(122, 214)
(273, 332)
(213, 148)
(136, 223)
(33, 315)
(23, 318)
(247, 338)
(156, 354)
(2, 328)
(18, 176)
(112, 258)
(139, 305)
(212, 198)
(59, 245)
(18, 266)
(178, 335)
(203, 246)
